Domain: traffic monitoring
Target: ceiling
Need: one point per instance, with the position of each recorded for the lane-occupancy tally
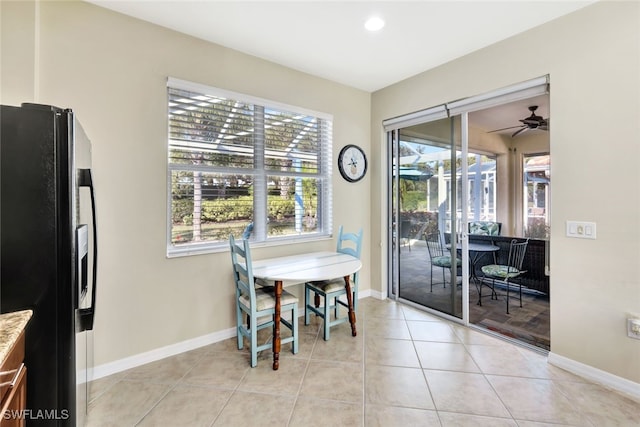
(508, 115)
(328, 39)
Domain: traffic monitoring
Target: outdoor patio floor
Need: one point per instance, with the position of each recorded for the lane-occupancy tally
(528, 324)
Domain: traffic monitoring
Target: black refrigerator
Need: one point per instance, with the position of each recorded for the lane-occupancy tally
(48, 255)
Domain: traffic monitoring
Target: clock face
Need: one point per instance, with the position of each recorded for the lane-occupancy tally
(352, 163)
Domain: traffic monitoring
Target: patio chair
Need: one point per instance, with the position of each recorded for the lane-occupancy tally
(505, 273)
(438, 257)
(485, 228)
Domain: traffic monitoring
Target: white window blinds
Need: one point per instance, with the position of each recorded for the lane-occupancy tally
(243, 165)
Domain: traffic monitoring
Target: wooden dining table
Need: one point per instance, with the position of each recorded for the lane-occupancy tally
(302, 268)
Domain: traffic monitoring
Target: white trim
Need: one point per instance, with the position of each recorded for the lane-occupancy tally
(465, 215)
(422, 116)
(260, 171)
(205, 89)
(518, 91)
(160, 353)
(596, 375)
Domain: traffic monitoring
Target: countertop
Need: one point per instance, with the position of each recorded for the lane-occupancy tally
(11, 325)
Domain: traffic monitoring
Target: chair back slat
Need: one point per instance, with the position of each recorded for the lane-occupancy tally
(517, 251)
(349, 243)
(434, 245)
(242, 270)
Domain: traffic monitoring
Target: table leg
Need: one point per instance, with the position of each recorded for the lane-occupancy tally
(276, 326)
(352, 314)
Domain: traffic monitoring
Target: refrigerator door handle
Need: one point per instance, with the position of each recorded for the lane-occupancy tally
(87, 314)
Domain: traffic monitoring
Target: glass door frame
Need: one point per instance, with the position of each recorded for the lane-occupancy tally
(393, 210)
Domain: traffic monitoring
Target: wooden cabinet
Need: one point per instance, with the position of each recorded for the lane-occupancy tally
(13, 386)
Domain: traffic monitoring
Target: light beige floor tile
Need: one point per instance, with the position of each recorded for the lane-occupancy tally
(253, 409)
(464, 392)
(522, 423)
(445, 356)
(539, 400)
(125, 403)
(603, 407)
(306, 342)
(286, 380)
(396, 386)
(101, 385)
(532, 354)
(311, 412)
(219, 370)
(385, 309)
(385, 416)
(189, 406)
(387, 328)
(545, 369)
(415, 314)
(341, 346)
(315, 323)
(333, 381)
(168, 371)
(507, 360)
(343, 329)
(452, 419)
(432, 331)
(381, 385)
(229, 345)
(385, 351)
(471, 336)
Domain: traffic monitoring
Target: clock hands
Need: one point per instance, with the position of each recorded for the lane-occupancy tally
(352, 163)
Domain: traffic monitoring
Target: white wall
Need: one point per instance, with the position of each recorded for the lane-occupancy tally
(112, 71)
(593, 59)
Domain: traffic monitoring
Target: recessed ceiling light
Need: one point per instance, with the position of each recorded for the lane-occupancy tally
(374, 23)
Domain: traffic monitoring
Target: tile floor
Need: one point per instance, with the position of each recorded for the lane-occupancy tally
(405, 368)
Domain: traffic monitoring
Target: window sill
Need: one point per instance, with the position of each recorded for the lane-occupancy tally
(207, 248)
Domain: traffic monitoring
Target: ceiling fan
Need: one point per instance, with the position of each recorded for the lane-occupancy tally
(531, 122)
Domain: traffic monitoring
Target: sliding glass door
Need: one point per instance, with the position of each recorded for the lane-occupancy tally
(465, 179)
(426, 210)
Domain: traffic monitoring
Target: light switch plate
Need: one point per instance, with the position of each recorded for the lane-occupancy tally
(581, 229)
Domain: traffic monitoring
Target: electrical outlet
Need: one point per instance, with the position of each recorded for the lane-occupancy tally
(633, 328)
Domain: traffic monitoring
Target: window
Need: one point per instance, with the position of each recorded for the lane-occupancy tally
(244, 166)
(537, 186)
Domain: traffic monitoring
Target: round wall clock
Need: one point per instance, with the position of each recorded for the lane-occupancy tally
(352, 163)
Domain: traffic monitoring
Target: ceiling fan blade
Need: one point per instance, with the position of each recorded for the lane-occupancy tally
(519, 132)
(511, 127)
(532, 122)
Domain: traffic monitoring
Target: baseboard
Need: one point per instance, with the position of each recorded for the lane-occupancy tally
(160, 353)
(120, 365)
(596, 375)
(373, 294)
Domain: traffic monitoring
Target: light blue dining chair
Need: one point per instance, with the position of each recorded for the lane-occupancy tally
(257, 303)
(331, 290)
